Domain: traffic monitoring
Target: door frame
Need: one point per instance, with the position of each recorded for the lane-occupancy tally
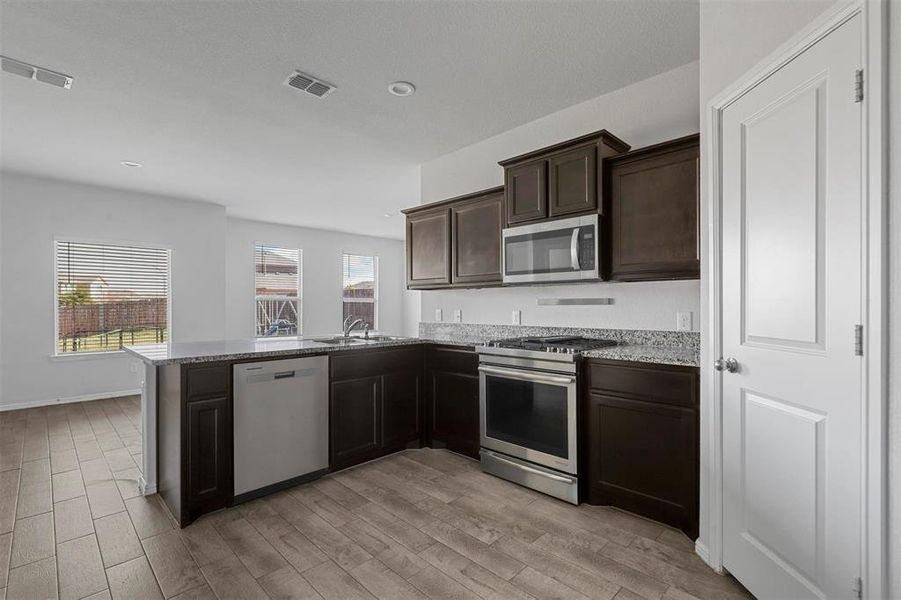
(874, 289)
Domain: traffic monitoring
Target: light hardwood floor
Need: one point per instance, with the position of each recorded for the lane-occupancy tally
(420, 524)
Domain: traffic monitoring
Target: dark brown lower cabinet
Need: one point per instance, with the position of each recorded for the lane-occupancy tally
(374, 403)
(209, 472)
(195, 468)
(354, 418)
(640, 436)
(400, 407)
(452, 399)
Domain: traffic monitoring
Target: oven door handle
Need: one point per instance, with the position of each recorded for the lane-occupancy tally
(529, 469)
(527, 375)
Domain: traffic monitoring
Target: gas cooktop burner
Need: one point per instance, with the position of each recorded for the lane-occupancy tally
(562, 344)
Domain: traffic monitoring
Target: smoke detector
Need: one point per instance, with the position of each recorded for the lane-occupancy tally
(309, 84)
(17, 67)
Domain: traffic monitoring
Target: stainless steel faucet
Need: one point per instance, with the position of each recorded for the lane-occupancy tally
(350, 327)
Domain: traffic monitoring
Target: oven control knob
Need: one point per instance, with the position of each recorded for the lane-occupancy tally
(570, 350)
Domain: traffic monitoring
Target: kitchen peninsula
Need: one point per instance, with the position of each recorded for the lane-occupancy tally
(384, 395)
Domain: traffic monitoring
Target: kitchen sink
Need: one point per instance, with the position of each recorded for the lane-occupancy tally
(357, 339)
(340, 339)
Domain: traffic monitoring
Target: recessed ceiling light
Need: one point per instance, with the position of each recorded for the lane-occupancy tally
(402, 88)
(131, 163)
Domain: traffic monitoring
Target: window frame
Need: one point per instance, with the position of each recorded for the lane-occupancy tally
(55, 354)
(298, 298)
(375, 291)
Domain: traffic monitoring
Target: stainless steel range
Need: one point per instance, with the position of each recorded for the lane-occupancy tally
(528, 397)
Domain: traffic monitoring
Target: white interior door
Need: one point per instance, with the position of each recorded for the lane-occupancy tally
(791, 177)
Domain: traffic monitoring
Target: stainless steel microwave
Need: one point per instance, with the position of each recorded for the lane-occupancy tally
(560, 250)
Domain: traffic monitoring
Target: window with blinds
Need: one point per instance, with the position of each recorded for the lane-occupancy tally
(277, 279)
(360, 289)
(110, 296)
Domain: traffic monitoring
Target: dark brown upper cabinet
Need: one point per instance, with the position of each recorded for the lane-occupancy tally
(527, 198)
(572, 183)
(428, 248)
(558, 181)
(468, 253)
(476, 227)
(652, 202)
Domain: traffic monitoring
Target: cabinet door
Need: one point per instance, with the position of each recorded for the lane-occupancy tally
(654, 216)
(400, 409)
(208, 464)
(476, 240)
(428, 248)
(572, 181)
(526, 191)
(454, 411)
(643, 457)
(354, 421)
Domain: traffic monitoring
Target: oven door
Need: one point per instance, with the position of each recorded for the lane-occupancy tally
(561, 250)
(529, 415)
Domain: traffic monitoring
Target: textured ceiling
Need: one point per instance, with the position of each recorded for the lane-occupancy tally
(194, 91)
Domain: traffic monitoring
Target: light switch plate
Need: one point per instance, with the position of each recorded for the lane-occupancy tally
(439, 316)
(684, 321)
(458, 316)
(516, 317)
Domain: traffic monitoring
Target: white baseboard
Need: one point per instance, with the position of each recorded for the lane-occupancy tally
(70, 399)
(701, 550)
(144, 488)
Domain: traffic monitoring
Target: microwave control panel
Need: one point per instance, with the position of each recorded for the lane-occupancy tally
(586, 247)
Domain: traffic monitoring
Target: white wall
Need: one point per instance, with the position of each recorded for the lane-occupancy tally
(656, 109)
(35, 211)
(322, 275)
(212, 278)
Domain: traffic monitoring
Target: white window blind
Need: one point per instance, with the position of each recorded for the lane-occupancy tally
(278, 280)
(109, 296)
(360, 289)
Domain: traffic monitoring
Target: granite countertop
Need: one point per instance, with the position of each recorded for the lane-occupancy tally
(219, 350)
(661, 355)
(223, 350)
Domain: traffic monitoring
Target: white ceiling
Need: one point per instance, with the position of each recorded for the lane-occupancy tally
(194, 91)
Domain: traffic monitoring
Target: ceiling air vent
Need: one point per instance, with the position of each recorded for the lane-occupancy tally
(309, 84)
(17, 67)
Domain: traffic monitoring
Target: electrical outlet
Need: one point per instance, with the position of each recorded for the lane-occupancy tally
(683, 321)
(439, 316)
(516, 317)
(458, 316)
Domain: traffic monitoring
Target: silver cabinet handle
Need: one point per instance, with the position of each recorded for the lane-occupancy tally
(574, 250)
(729, 364)
(526, 375)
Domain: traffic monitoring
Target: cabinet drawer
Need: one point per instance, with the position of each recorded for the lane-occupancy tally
(454, 360)
(655, 383)
(367, 363)
(207, 381)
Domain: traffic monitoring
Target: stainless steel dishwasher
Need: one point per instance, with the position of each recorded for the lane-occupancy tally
(280, 423)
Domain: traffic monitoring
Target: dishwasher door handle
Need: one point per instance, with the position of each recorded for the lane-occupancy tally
(295, 374)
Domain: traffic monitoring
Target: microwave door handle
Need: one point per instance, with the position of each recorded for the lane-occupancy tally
(526, 375)
(574, 250)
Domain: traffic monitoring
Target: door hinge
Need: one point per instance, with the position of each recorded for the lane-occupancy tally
(858, 588)
(858, 340)
(858, 85)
